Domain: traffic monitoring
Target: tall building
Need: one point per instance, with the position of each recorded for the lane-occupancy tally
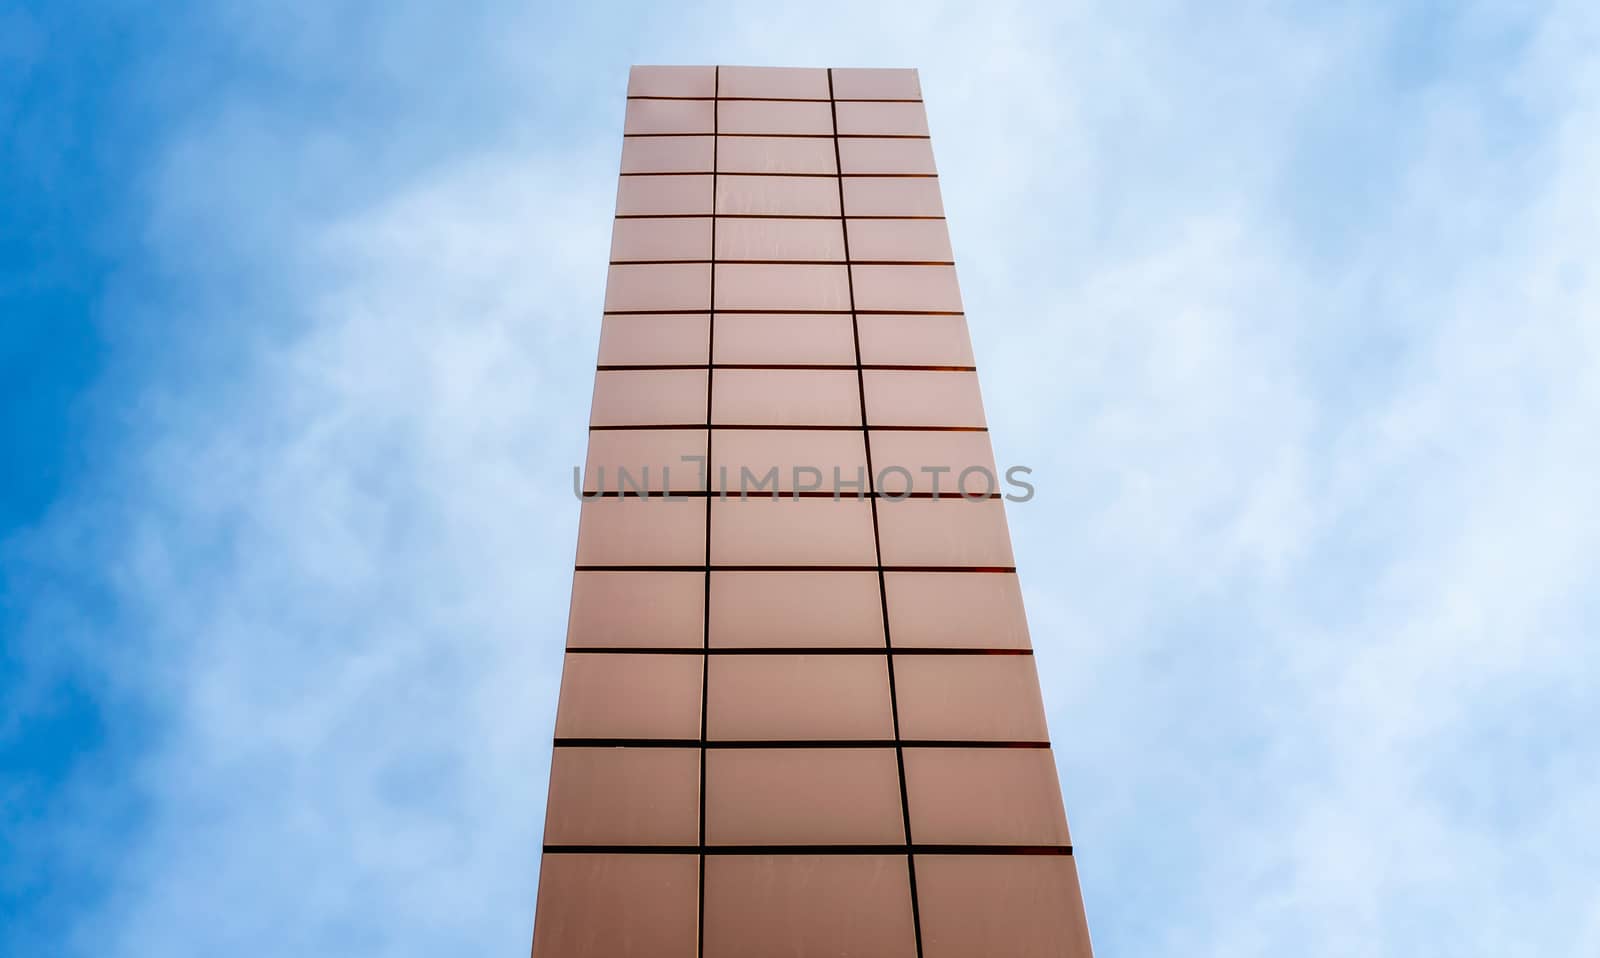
(799, 712)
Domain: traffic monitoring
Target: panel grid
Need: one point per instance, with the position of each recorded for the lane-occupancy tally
(812, 718)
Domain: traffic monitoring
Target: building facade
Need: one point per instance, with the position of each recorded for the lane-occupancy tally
(799, 712)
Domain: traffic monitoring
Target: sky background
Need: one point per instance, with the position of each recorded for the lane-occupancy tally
(1292, 308)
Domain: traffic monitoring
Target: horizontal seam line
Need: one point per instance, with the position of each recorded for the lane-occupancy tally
(779, 262)
(792, 174)
(777, 216)
(701, 567)
(735, 744)
(719, 98)
(817, 367)
(857, 650)
(899, 848)
(784, 135)
(686, 495)
(759, 425)
(776, 311)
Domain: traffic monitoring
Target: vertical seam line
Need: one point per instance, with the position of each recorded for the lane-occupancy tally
(877, 544)
(705, 659)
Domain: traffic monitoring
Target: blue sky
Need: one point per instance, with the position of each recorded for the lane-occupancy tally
(1292, 308)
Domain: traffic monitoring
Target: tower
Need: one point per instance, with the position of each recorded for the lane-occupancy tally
(799, 710)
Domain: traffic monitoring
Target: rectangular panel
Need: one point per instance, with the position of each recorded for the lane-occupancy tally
(946, 533)
(672, 287)
(777, 195)
(791, 83)
(629, 695)
(668, 339)
(1020, 906)
(649, 397)
(672, 81)
(624, 796)
(661, 239)
(662, 610)
(668, 116)
(798, 459)
(809, 905)
(804, 796)
(938, 463)
(984, 796)
(906, 288)
(882, 119)
(785, 397)
(775, 118)
(783, 287)
(905, 241)
(669, 195)
(642, 532)
(776, 239)
(669, 154)
(785, 339)
(620, 906)
(643, 461)
(776, 154)
(791, 532)
(795, 610)
(892, 196)
(888, 155)
(914, 340)
(956, 610)
(876, 83)
(969, 698)
(902, 397)
(808, 697)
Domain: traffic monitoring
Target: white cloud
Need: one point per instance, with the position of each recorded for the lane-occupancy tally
(350, 568)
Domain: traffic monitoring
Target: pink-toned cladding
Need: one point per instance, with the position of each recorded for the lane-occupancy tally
(805, 720)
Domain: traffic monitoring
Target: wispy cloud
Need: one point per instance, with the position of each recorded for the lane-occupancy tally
(1293, 312)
